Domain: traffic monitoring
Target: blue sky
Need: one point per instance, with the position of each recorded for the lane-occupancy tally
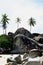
(23, 9)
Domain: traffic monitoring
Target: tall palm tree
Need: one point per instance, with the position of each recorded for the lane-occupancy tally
(32, 22)
(4, 22)
(18, 21)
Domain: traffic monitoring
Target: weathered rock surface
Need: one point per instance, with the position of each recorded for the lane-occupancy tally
(10, 60)
(32, 63)
(39, 39)
(36, 34)
(18, 59)
(35, 53)
(25, 55)
(24, 41)
(14, 63)
(24, 32)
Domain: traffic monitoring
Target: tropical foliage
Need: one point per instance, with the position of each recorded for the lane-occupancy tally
(32, 22)
(18, 21)
(4, 42)
(4, 22)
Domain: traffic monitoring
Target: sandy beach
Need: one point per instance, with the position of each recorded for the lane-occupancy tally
(3, 59)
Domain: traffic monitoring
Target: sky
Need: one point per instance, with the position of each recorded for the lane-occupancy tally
(24, 9)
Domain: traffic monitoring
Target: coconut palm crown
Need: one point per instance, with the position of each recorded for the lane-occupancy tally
(4, 22)
(18, 21)
(32, 22)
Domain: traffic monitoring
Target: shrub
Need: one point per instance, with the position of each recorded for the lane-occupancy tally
(4, 42)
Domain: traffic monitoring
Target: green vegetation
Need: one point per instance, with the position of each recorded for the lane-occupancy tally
(5, 42)
(32, 22)
(4, 22)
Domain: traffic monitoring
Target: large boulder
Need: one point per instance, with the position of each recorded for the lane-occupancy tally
(10, 34)
(21, 44)
(24, 43)
(35, 53)
(39, 39)
(24, 32)
(36, 34)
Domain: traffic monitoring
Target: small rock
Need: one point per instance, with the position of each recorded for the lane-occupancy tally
(18, 59)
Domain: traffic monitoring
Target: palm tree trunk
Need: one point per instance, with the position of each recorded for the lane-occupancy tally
(30, 28)
(17, 25)
(5, 31)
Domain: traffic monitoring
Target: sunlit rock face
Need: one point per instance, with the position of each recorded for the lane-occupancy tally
(35, 53)
(38, 38)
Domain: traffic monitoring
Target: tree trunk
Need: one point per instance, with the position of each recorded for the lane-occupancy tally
(5, 31)
(30, 28)
(17, 25)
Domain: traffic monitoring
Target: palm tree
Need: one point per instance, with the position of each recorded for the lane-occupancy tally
(18, 21)
(32, 22)
(4, 22)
